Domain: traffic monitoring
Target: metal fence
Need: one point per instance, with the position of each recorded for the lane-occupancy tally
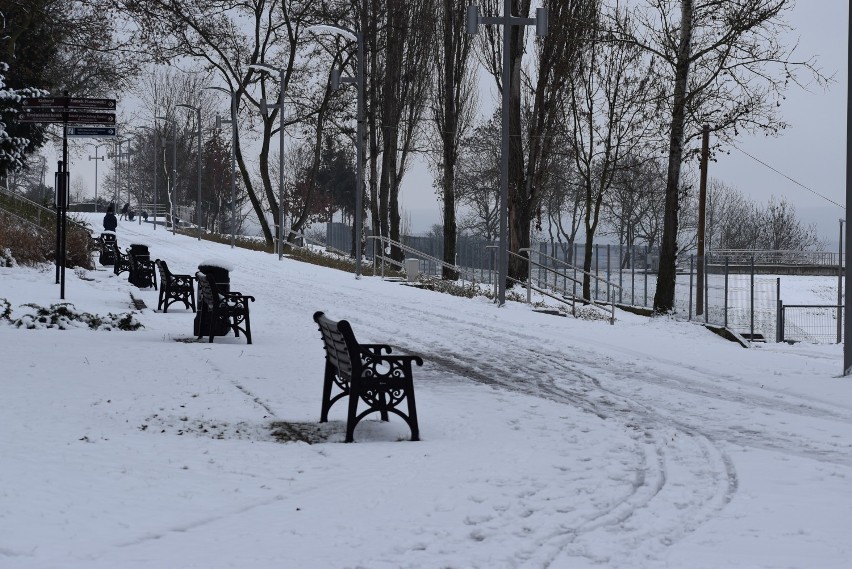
(735, 295)
(812, 323)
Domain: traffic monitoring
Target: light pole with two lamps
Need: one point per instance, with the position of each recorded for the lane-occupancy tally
(233, 123)
(264, 109)
(97, 159)
(507, 20)
(358, 80)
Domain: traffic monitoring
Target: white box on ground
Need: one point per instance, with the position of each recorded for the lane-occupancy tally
(412, 269)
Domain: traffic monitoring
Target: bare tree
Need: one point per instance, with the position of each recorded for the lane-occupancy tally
(454, 106)
(227, 38)
(530, 150)
(478, 179)
(611, 120)
(724, 65)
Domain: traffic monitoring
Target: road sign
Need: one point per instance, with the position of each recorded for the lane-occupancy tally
(41, 116)
(68, 103)
(90, 118)
(73, 117)
(95, 104)
(90, 131)
(44, 102)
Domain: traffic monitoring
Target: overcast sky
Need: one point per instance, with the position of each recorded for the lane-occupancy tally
(812, 151)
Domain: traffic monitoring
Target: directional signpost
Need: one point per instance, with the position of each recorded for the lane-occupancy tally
(90, 131)
(68, 110)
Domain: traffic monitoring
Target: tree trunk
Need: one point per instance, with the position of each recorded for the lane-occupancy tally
(664, 297)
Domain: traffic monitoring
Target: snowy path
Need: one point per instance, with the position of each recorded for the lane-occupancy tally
(547, 442)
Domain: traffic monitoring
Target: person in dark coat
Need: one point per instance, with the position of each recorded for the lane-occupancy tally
(124, 211)
(110, 222)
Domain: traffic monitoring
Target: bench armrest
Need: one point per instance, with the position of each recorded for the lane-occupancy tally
(375, 350)
(234, 295)
(379, 358)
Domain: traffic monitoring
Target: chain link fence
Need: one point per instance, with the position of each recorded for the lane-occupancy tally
(735, 293)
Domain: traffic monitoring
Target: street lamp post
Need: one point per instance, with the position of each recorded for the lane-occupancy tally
(198, 198)
(116, 196)
(264, 109)
(840, 284)
(507, 21)
(172, 191)
(97, 159)
(358, 80)
(233, 123)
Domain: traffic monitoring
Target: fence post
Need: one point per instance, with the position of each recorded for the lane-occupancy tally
(609, 296)
(706, 292)
(633, 275)
(726, 292)
(529, 276)
(751, 302)
(597, 262)
(645, 300)
(689, 312)
(620, 273)
(779, 321)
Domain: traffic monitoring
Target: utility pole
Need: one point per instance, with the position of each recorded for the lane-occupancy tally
(508, 21)
(702, 201)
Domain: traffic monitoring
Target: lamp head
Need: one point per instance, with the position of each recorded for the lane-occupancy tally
(472, 19)
(335, 79)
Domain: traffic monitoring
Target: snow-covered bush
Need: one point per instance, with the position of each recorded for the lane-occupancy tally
(64, 316)
(12, 147)
(7, 259)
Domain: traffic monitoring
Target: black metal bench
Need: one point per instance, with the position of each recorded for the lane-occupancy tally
(363, 373)
(226, 309)
(121, 262)
(174, 288)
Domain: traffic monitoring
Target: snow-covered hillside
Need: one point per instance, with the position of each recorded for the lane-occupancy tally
(546, 441)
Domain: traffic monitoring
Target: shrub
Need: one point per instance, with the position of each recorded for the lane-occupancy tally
(64, 315)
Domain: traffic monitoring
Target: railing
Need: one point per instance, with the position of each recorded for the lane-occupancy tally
(744, 257)
(316, 242)
(563, 274)
(38, 214)
(814, 323)
(382, 242)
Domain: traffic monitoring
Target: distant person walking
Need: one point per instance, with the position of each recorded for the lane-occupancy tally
(124, 210)
(110, 222)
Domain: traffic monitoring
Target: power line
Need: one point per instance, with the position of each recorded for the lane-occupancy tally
(789, 178)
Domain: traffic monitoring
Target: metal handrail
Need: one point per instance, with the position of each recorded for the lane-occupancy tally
(35, 226)
(40, 208)
(311, 240)
(420, 254)
(773, 256)
(567, 265)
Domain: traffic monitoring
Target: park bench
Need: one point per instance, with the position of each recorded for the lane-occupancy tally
(174, 288)
(364, 373)
(121, 262)
(223, 309)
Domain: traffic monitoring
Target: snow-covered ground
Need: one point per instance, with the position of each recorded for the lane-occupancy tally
(546, 441)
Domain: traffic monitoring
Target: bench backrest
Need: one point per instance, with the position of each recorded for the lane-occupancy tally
(165, 273)
(341, 348)
(207, 287)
